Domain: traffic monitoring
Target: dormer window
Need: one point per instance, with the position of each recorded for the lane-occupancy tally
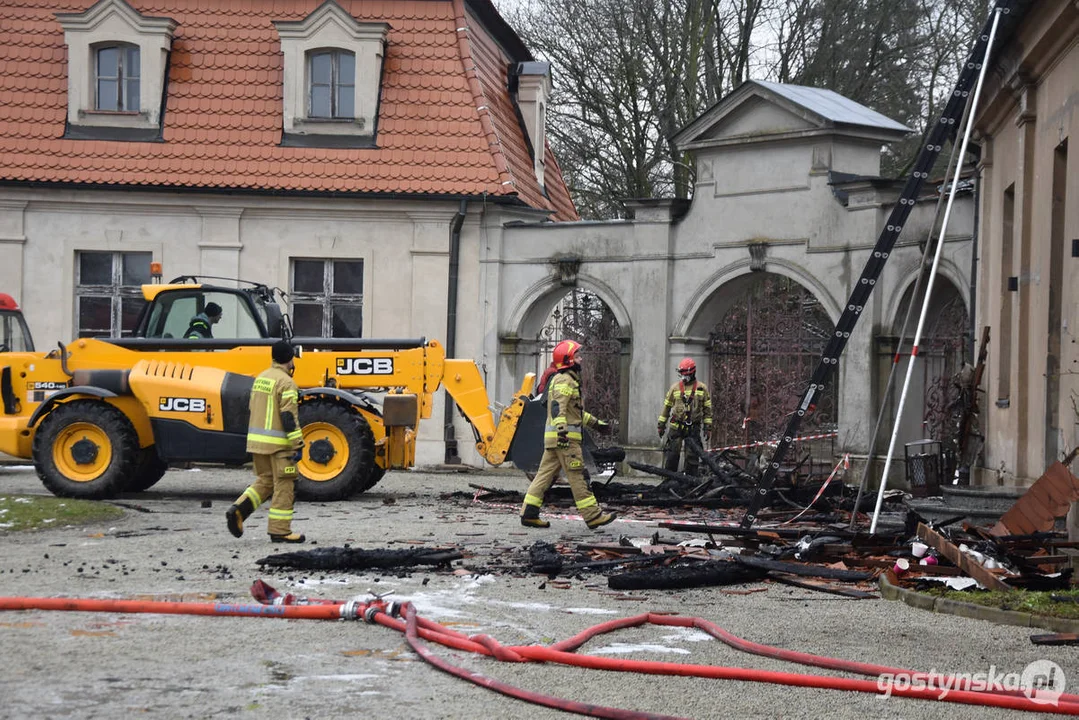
(117, 59)
(117, 78)
(332, 78)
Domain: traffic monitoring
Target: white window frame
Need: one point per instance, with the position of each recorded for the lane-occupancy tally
(116, 291)
(337, 58)
(114, 22)
(328, 298)
(330, 27)
(122, 78)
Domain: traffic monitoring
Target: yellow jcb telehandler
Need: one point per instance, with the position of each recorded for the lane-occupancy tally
(103, 416)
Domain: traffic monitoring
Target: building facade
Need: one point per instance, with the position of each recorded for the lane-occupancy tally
(1028, 243)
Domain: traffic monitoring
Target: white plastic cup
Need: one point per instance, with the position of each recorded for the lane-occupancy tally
(901, 566)
(918, 549)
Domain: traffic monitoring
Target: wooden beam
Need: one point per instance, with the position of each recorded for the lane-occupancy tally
(961, 560)
(830, 589)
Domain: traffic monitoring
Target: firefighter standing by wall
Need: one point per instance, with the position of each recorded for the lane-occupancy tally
(275, 442)
(562, 443)
(688, 407)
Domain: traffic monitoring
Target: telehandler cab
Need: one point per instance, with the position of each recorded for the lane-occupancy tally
(103, 416)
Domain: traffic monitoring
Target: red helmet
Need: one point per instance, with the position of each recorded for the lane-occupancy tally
(687, 367)
(565, 354)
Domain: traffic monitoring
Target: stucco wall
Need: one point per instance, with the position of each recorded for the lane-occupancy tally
(404, 246)
(1028, 116)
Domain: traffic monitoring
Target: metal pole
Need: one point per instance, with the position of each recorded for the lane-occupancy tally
(933, 271)
(953, 166)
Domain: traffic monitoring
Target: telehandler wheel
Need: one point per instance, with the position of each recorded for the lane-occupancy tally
(377, 473)
(338, 453)
(85, 449)
(148, 471)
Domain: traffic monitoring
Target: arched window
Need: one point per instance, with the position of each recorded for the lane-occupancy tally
(331, 78)
(116, 78)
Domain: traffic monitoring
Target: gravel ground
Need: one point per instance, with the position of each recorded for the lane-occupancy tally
(169, 546)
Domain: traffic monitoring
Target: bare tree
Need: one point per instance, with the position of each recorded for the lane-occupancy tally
(630, 73)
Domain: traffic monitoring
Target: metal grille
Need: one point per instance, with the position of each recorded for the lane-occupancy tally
(583, 317)
(763, 352)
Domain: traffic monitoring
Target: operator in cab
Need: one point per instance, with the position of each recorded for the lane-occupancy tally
(201, 327)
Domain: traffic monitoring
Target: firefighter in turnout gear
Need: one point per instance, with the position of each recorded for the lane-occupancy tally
(275, 441)
(688, 410)
(562, 443)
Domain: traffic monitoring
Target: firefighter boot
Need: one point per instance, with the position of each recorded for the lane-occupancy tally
(292, 537)
(530, 518)
(601, 520)
(236, 514)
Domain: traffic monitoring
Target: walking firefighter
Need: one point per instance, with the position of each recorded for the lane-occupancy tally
(562, 442)
(275, 442)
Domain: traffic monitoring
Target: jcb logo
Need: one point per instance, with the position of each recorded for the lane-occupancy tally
(364, 366)
(174, 404)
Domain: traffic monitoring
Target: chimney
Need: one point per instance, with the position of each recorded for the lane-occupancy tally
(530, 83)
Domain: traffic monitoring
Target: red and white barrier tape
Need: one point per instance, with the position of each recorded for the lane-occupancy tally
(774, 442)
(844, 462)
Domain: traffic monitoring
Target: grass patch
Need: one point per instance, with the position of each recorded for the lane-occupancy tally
(35, 512)
(1029, 601)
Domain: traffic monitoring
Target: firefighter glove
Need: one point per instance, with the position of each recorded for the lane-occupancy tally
(661, 428)
(298, 456)
(563, 439)
(603, 426)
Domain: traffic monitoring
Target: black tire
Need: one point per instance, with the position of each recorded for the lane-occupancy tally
(350, 430)
(148, 471)
(376, 474)
(104, 429)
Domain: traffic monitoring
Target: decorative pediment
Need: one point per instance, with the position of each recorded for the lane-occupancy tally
(759, 111)
(108, 11)
(332, 21)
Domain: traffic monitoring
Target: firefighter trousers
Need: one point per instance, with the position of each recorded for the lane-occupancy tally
(275, 480)
(673, 452)
(571, 462)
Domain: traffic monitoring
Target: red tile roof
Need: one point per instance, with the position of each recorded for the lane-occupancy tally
(446, 125)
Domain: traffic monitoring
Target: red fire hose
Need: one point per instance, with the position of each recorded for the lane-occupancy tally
(416, 628)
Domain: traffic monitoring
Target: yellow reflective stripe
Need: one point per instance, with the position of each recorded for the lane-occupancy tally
(276, 514)
(560, 420)
(588, 418)
(269, 439)
(295, 434)
(253, 496)
(290, 394)
(533, 500)
(565, 389)
(582, 504)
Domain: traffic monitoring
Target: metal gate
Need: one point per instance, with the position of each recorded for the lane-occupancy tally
(582, 316)
(763, 352)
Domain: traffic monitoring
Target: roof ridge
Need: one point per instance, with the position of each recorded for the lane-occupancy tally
(482, 104)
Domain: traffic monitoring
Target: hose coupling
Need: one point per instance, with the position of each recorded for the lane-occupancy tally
(350, 610)
(393, 608)
(370, 613)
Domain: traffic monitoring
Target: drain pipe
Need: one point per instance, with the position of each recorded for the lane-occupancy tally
(450, 436)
